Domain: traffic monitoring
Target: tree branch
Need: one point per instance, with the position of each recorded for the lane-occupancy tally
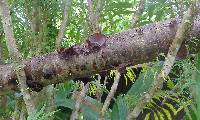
(67, 5)
(135, 46)
(138, 13)
(76, 110)
(93, 16)
(16, 56)
(50, 89)
(110, 95)
(181, 34)
(86, 102)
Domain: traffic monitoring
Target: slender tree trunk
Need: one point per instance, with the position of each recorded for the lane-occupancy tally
(15, 56)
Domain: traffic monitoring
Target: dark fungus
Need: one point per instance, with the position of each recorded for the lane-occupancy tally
(66, 53)
(93, 44)
(96, 42)
(34, 85)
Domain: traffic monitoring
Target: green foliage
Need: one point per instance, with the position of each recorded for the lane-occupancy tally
(170, 84)
(92, 88)
(7, 107)
(41, 114)
(88, 112)
(63, 94)
(63, 98)
(143, 83)
(120, 109)
(197, 77)
(179, 90)
(130, 75)
(116, 16)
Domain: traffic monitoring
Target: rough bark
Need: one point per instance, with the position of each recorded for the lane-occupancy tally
(98, 53)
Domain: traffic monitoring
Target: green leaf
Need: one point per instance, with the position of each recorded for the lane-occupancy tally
(118, 5)
(124, 12)
(198, 62)
(89, 113)
(197, 77)
(41, 114)
(120, 110)
(170, 84)
(143, 82)
(69, 103)
(63, 91)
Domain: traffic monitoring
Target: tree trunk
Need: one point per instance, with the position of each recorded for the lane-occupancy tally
(97, 54)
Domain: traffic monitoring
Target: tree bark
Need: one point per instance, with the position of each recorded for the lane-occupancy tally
(133, 46)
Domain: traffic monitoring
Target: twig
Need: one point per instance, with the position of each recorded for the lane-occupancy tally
(110, 95)
(87, 103)
(98, 11)
(16, 56)
(99, 6)
(138, 13)
(100, 86)
(181, 35)
(104, 84)
(93, 16)
(67, 5)
(98, 89)
(75, 112)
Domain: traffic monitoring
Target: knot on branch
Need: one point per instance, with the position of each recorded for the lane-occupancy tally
(93, 44)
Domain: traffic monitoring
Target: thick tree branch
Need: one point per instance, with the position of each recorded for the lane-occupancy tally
(181, 34)
(135, 46)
